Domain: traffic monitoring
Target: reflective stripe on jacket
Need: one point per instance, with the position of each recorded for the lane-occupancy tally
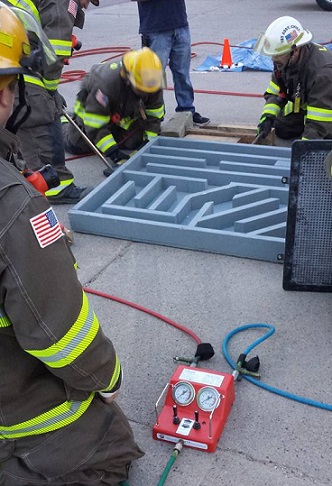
(310, 79)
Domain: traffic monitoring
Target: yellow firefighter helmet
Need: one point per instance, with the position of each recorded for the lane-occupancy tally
(144, 70)
(14, 45)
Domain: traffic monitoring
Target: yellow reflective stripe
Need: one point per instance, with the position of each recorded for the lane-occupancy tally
(156, 113)
(90, 119)
(289, 108)
(95, 121)
(271, 109)
(33, 80)
(61, 47)
(73, 343)
(4, 319)
(79, 109)
(105, 143)
(56, 190)
(126, 123)
(51, 84)
(319, 114)
(53, 419)
(273, 88)
(150, 134)
(27, 5)
(115, 377)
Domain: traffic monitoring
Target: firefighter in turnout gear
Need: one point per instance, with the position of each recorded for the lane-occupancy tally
(41, 135)
(299, 96)
(59, 423)
(120, 106)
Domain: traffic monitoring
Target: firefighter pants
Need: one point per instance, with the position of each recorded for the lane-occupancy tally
(41, 134)
(97, 449)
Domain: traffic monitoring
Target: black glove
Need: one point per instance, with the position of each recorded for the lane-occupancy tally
(117, 155)
(265, 126)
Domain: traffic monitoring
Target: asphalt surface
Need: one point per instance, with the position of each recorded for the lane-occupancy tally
(268, 439)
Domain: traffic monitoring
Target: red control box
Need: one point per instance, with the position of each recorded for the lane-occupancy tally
(196, 406)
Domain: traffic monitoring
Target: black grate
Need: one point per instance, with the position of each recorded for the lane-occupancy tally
(308, 246)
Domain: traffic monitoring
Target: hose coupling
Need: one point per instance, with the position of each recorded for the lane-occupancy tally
(249, 368)
(179, 446)
(181, 359)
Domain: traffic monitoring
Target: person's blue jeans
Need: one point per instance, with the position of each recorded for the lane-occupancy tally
(174, 46)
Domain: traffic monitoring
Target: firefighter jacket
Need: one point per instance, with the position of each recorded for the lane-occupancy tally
(107, 100)
(53, 353)
(307, 86)
(57, 20)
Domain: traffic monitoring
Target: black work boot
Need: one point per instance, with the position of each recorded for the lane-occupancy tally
(71, 195)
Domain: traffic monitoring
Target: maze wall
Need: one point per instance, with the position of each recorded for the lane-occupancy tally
(209, 196)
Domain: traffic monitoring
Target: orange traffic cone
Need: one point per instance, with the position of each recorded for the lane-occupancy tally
(226, 60)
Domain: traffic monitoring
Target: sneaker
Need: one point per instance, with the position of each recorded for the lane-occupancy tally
(200, 120)
(71, 195)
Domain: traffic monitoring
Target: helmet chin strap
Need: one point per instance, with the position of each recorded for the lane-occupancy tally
(13, 124)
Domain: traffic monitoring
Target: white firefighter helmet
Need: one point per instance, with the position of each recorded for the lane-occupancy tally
(281, 36)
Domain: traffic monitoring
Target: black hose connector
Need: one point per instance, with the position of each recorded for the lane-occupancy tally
(253, 364)
(241, 361)
(250, 367)
(204, 351)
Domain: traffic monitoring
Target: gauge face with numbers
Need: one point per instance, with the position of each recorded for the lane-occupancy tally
(183, 393)
(208, 398)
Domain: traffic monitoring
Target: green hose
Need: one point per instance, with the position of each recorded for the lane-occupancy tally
(176, 451)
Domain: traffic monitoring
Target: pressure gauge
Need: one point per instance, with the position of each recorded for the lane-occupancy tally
(183, 393)
(208, 398)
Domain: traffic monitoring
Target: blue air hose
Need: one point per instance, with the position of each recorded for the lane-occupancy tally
(291, 396)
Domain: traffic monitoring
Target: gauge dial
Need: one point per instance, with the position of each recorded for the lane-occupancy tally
(208, 398)
(183, 393)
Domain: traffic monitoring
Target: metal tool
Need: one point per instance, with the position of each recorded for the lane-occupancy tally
(258, 138)
(87, 140)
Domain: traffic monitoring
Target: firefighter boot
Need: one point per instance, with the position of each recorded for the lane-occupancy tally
(71, 195)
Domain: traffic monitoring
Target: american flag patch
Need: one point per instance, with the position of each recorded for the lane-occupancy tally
(101, 98)
(73, 8)
(291, 36)
(46, 227)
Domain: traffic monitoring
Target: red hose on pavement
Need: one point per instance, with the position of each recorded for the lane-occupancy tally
(119, 51)
(147, 311)
(77, 75)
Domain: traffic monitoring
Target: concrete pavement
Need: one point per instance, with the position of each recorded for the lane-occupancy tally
(268, 440)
